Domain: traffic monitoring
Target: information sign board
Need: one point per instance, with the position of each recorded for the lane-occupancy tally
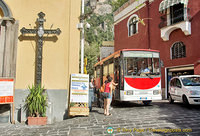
(6, 91)
(79, 95)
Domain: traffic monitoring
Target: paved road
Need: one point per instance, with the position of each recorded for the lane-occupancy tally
(128, 119)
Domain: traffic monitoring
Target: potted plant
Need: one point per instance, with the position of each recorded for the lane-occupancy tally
(35, 105)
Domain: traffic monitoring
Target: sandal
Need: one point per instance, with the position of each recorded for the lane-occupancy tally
(109, 114)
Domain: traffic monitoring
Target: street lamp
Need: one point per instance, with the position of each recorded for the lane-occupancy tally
(93, 4)
(81, 26)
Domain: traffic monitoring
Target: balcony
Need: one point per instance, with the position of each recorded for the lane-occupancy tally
(180, 19)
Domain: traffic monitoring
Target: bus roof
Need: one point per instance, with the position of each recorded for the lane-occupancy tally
(140, 50)
(117, 54)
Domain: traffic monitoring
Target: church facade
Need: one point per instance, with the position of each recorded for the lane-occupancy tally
(60, 55)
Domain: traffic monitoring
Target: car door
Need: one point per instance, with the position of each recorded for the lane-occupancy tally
(178, 89)
(172, 89)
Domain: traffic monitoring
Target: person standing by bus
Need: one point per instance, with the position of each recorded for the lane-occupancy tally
(91, 92)
(113, 89)
(107, 96)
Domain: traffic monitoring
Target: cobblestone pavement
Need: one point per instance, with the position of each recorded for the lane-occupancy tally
(128, 119)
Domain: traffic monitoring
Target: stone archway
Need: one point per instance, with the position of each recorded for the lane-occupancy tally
(5, 10)
(8, 51)
(8, 42)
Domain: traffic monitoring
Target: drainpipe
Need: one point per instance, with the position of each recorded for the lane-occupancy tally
(148, 26)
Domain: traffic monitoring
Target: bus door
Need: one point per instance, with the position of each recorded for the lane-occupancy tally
(117, 77)
(121, 76)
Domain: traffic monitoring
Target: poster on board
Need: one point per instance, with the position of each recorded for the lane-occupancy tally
(6, 91)
(79, 95)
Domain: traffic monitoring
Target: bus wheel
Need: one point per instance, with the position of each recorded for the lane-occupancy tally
(147, 102)
(171, 101)
(185, 100)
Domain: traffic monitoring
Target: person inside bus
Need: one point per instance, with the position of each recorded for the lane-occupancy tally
(107, 96)
(130, 70)
(156, 69)
(144, 69)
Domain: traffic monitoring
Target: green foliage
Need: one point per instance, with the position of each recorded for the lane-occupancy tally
(91, 52)
(97, 34)
(117, 3)
(101, 30)
(36, 101)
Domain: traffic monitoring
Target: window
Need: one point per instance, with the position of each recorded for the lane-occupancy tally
(136, 66)
(178, 83)
(172, 82)
(97, 72)
(176, 13)
(173, 12)
(132, 25)
(178, 50)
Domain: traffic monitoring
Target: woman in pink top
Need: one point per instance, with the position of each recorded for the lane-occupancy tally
(107, 94)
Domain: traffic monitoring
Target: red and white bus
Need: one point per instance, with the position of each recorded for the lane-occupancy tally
(127, 69)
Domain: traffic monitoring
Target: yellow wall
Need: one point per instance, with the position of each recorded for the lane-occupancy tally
(60, 58)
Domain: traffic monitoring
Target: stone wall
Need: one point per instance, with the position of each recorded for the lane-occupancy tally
(56, 110)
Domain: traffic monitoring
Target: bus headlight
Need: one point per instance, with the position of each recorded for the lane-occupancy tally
(129, 92)
(156, 92)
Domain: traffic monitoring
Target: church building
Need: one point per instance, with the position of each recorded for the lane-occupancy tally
(25, 24)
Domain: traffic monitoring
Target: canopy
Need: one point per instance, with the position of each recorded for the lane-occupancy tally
(167, 3)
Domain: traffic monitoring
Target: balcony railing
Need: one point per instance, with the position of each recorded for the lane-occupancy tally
(180, 15)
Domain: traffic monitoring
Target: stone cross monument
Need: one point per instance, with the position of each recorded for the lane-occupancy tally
(40, 31)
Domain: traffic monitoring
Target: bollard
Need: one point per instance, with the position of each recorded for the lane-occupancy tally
(50, 113)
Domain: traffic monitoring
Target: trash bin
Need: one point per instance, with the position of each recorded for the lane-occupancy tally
(91, 98)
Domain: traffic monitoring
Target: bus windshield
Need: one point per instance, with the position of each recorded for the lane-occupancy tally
(141, 65)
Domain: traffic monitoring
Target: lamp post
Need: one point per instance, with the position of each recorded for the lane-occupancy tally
(81, 26)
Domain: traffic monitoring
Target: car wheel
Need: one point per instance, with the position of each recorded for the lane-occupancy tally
(185, 100)
(146, 102)
(171, 101)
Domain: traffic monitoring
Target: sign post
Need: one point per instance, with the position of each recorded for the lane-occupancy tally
(7, 93)
(79, 95)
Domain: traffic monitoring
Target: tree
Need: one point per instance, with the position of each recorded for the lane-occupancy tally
(101, 30)
(91, 53)
(117, 3)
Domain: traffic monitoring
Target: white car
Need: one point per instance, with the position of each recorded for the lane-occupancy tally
(185, 89)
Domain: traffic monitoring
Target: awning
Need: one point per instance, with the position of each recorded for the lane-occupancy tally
(181, 69)
(167, 3)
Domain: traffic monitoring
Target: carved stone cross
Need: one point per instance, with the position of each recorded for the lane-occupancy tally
(40, 31)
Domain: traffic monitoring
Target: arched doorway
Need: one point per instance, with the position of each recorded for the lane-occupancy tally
(8, 54)
(5, 10)
(8, 42)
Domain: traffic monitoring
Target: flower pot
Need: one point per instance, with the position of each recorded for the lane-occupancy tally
(37, 121)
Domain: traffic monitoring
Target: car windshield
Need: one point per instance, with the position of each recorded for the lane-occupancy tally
(191, 81)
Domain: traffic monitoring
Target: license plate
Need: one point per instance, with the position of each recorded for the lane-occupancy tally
(142, 98)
